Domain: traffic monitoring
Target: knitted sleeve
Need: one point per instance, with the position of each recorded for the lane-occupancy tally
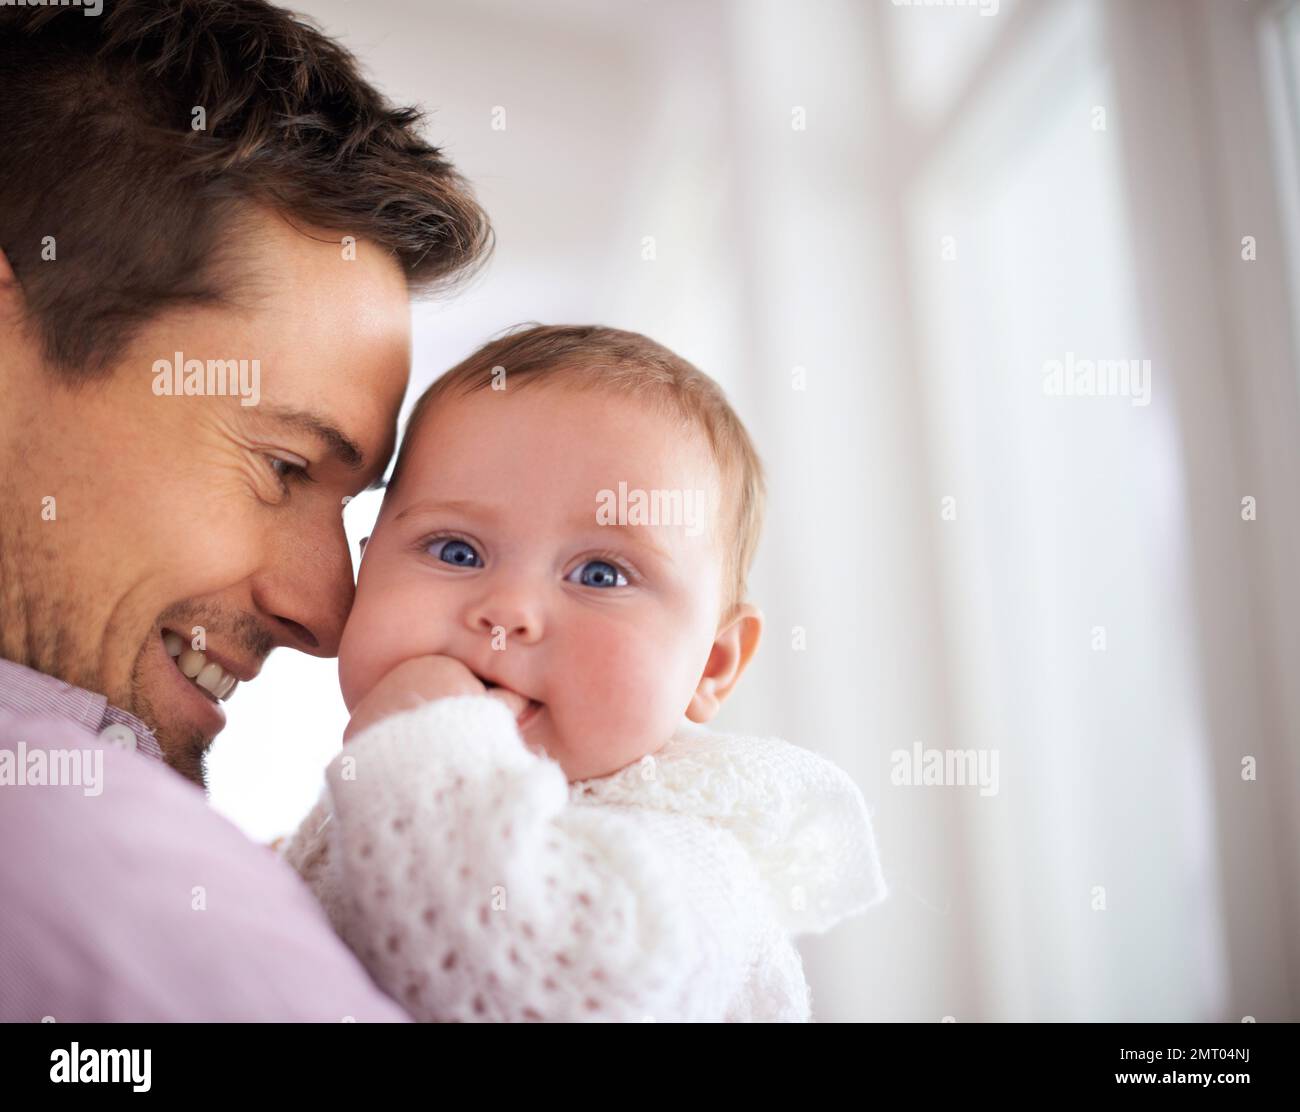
(456, 867)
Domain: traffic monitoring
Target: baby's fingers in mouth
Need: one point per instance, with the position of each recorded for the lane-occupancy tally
(514, 702)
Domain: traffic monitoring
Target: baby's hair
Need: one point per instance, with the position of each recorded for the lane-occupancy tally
(593, 357)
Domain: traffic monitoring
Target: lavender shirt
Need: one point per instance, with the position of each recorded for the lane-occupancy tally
(124, 896)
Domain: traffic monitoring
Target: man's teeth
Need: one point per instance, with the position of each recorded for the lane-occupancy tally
(194, 665)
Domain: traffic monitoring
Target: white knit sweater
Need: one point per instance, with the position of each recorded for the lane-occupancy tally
(476, 883)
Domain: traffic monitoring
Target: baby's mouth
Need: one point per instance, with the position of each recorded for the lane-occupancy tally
(521, 706)
(531, 711)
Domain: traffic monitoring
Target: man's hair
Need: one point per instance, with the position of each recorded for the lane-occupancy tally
(98, 150)
(591, 357)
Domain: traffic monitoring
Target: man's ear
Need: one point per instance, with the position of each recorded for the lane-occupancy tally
(11, 300)
(733, 648)
(9, 287)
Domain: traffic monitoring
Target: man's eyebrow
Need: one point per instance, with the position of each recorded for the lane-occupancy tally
(341, 447)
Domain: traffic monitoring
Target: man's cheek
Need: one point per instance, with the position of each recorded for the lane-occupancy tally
(193, 569)
(203, 536)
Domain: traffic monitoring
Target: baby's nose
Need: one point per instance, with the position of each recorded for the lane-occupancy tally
(508, 623)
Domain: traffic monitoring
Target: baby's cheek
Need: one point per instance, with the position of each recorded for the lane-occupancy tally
(372, 645)
(625, 688)
(356, 660)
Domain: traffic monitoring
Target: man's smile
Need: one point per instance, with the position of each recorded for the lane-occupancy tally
(199, 667)
(203, 679)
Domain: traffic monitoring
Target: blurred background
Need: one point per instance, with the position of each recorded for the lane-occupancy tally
(883, 227)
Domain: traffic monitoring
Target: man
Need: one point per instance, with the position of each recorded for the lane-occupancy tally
(210, 226)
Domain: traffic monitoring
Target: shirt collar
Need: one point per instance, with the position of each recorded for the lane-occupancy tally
(25, 691)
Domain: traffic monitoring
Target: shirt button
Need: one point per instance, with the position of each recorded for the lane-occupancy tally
(121, 736)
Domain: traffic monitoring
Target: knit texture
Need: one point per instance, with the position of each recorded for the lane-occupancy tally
(476, 884)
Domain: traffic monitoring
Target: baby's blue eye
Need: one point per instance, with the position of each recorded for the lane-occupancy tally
(456, 552)
(599, 573)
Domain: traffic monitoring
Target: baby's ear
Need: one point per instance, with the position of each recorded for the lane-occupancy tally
(733, 648)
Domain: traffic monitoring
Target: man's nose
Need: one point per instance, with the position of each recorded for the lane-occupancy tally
(306, 590)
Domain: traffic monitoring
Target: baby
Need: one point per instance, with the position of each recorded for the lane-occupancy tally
(529, 819)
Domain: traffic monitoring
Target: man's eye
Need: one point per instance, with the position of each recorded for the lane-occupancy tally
(286, 470)
(451, 551)
(598, 573)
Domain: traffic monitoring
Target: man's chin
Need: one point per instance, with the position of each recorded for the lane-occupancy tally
(186, 754)
(183, 746)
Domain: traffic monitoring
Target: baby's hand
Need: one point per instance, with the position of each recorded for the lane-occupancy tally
(411, 684)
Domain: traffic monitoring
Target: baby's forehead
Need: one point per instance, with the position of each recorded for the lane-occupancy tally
(521, 468)
(569, 430)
